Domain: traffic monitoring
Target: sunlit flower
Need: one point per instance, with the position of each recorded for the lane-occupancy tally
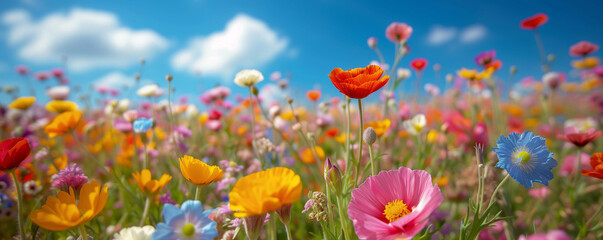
(22, 103)
(534, 22)
(586, 63)
(596, 162)
(248, 77)
(469, 74)
(415, 124)
(150, 186)
(135, 233)
(380, 127)
(187, 222)
(58, 92)
(61, 106)
(394, 204)
(198, 172)
(398, 32)
(578, 138)
(63, 123)
(148, 90)
(553, 79)
(358, 83)
(526, 158)
(265, 191)
(63, 212)
(418, 64)
(583, 48)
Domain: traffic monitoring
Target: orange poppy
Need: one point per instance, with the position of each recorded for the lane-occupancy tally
(596, 162)
(313, 95)
(534, 22)
(63, 123)
(358, 83)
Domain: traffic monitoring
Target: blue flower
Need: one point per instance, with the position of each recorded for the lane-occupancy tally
(526, 158)
(187, 222)
(142, 125)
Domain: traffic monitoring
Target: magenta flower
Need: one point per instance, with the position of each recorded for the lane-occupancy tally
(70, 177)
(485, 58)
(398, 32)
(394, 204)
(583, 48)
(579, 139)
(553, 234)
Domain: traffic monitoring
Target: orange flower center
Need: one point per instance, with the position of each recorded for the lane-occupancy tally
(395, 210)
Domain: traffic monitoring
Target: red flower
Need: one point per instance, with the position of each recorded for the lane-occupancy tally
(596, 162)
(418, 64)
(580, 139)
(534, 22)
(12, 152)
(583, 48)
(358, 83)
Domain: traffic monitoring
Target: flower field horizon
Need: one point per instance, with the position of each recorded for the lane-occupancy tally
(396, 148)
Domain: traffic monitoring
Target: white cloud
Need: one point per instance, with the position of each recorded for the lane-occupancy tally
(473, 33)
(115, 80)
(440, 34)
(271, 93)
(246, 42)
(88, 38)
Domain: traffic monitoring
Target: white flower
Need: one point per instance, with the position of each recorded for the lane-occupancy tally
(123, 105)
(582, 124)
(31, 187)
(248, 77)
(58, 92)
(192, 110)
(147, 90)
(415, 124)
(135, 233)
(403, 73)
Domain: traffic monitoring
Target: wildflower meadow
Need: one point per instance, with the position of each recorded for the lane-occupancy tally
(396, 148)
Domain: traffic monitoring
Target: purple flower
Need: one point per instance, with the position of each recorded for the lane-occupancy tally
(184, 131)
(485, 58)
(167, 198)
(72, 176)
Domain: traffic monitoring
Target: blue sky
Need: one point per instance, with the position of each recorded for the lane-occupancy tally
(304, 38)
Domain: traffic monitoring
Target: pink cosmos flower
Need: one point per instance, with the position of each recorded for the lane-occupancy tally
(553, 79)
(41, 76)
(57, 72)
(485, 58)
(551, 235)
(539, 193)
(23, 70)
(398, 32)
(394, 204)
(579, 139)
(58, 92)
(583, 48)
(569, 164)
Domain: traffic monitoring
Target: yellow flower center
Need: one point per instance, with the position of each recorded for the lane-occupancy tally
(395, 209)
(188, 230)
(524, 157)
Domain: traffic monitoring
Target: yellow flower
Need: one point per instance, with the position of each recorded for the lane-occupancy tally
(589, 62)
(469, 74)
(60, 106)
(432, 136)
(63, 212)
(340, 138)
(308, 156)
(198, 172)
(265, 191)
(150, 186)
(22, 103)
(380, 127)
(486, 74)
(203, 118)
(288, 116)
(63, 123)
(59, 164)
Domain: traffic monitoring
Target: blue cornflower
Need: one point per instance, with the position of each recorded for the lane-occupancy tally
(187, 222)
(526, 158)
(142, 125)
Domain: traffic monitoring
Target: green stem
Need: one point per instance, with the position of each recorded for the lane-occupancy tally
(370, 146)
(541, 50)
(145, 162)
(288, 230)
(83, 232)
(198, 193)
(342, 217)
(272, 226)
(253, 122)
(584, 229)
(329, 214)
(19, 206)
(359, 139)
(145, 212)
(493, 197)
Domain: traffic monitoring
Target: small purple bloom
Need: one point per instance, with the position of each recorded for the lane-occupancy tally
(72, 176)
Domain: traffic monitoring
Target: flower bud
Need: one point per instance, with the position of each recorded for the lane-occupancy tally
(372, 42)
(333, 176)
(169, 77)
(513, 69)
(369, 136)
(449, 78)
